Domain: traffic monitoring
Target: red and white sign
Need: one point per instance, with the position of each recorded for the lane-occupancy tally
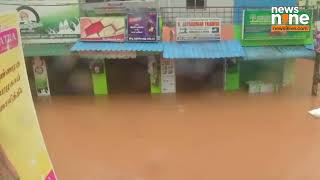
(8, 40)
(103, 29)
(198, 29)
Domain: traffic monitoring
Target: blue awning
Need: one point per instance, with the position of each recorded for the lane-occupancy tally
(202, 50)
(113, 46)
(277, 53)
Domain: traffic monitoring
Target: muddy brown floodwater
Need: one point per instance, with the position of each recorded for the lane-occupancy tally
(190, 136)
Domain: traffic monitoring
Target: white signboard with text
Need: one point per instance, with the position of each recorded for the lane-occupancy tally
(198, 29)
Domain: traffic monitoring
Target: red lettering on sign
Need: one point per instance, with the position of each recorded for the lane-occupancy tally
(8, 40)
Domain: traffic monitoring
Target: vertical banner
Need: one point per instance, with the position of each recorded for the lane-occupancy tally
(155, 75)
(168, 76)
(143, 26)
(23, 153)
(41, 76)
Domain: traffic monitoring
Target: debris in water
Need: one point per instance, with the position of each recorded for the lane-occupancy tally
(315, 113)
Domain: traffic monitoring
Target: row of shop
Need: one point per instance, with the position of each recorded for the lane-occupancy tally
(101, 68)
(113, 44)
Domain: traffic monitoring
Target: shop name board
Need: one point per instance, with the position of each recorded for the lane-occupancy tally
(40, 24)
(103, 29)
(263, 25)
(143, 27)
(8, 40)
(118, 7)
(198, 29)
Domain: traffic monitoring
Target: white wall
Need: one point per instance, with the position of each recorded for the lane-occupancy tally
(182, 3)
(170, 14)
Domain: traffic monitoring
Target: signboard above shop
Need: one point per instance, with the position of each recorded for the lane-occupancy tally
(198, 29)
(110, 29)
(118, 7)
(142, 26)
(46, 21)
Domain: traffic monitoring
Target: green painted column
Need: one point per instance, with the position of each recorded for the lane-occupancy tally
(232, 75)
(99, 77)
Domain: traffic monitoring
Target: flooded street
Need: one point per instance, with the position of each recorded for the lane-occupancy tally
(188, 136)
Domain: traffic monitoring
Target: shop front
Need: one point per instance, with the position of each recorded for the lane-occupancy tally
(122, 67)
(203, 61)
(270, 54)
(205, 65)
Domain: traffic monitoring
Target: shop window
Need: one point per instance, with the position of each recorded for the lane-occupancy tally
(196, 4)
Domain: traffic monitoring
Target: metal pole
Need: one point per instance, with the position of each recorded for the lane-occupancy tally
(316, 70)
(316, 75)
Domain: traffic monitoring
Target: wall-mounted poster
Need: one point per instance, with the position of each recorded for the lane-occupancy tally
(103, 29)
(168, 76)
(46, 21)
(198, 29)
(23, 153)
(41, 76)
(143, 27)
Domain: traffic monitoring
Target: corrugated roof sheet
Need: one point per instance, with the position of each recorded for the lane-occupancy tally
(202, 50)
(277, 53)
(113, 46)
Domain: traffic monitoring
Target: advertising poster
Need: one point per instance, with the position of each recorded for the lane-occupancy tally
(41, 76)
(46, 21)
(257, 25)
(168, 76)
(23, 153)
(142, 27)
(103, 29)
(154, 70)
(198, 29)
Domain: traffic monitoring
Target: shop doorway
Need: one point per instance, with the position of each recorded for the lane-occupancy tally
(200, 75)
(69, 75)
(128, 75)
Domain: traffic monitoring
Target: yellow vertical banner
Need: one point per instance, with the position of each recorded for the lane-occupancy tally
(23, 153)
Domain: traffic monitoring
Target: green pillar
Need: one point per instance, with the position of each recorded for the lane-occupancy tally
(99, 77)
(232, 75)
